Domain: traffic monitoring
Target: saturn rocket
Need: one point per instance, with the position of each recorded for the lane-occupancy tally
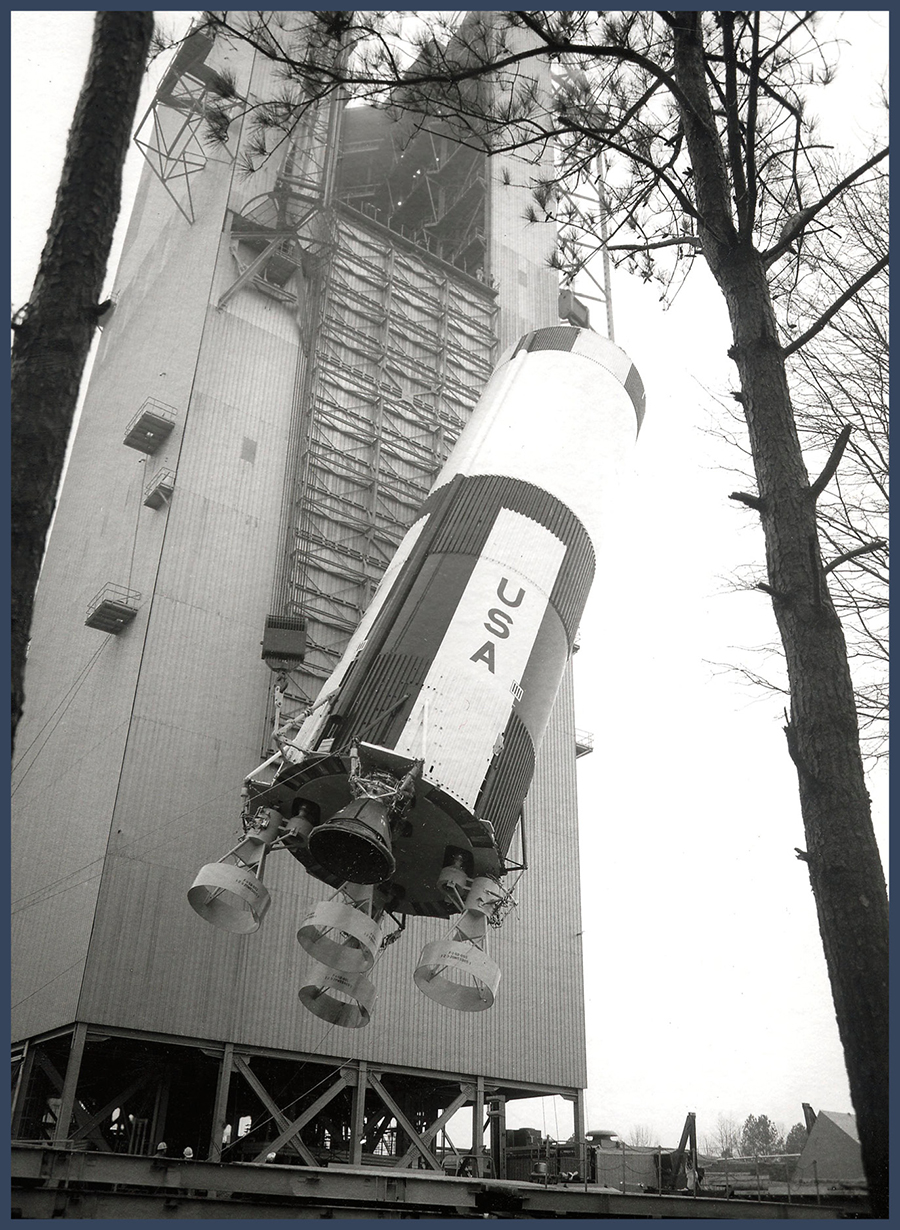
(404, 783)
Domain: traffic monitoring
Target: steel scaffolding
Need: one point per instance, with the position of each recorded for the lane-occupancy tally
(172, 134)
(402, 345)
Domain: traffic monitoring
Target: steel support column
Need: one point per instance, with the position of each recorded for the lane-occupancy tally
(478, 1128)
(497, 1134)
(20, 1090)
(160, 1110)
(220, 1107)
(70, 1084)
(580, 1140)
(358, 1113)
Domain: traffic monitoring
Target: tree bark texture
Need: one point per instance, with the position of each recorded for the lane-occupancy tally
(823, 731)
(54, 336)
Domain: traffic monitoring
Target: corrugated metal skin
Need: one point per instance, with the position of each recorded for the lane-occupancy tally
(557, 338)
(545, 932)
(501, 798)
(367, 631)
(382, 706)
(475, 508)
(191, 742)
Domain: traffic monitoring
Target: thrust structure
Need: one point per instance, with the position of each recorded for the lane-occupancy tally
(290, 359)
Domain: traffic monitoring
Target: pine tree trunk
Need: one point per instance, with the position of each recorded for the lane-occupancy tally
(53, 338)
(823, 732)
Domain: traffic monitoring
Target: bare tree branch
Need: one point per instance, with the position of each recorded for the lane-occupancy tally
(680, 241)
(848, 555)
(832, 463)
(752, 501)
(833, 310)
(811, 211)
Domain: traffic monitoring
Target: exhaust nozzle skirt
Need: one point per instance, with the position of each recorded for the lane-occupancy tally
(355, 843)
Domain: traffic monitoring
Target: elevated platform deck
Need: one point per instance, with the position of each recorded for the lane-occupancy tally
(50, 1182)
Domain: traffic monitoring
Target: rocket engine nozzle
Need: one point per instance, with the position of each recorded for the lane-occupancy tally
(339, 998)
(355, 844)
(457, 972)
(342, 934)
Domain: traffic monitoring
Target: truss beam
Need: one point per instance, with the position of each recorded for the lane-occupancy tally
(290, 1131)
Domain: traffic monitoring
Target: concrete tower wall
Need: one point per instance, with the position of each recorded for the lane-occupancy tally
(133, 747)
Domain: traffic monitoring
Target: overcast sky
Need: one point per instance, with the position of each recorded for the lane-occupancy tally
(706, 983)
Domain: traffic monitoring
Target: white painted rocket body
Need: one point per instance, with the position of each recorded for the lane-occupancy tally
(444, 692)
(459, 657)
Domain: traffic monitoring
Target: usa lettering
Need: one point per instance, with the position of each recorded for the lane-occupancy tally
(498, 623)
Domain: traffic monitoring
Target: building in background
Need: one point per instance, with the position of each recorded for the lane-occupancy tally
(290, 357)
(831, 1159)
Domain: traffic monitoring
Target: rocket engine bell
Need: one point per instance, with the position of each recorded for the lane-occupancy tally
(403, 785)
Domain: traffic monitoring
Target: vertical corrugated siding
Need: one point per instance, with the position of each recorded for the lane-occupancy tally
(560, 337)
(202, 686)
(80, 683)
(384, 700)
(500, 801)
(549, 959)
(476, 506)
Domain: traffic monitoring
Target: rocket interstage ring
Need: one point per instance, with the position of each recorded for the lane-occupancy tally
(591, 346)
(562, 410)
(447, 685)
(434, 824)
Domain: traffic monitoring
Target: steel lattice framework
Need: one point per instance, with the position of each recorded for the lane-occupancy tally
(403, 348)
